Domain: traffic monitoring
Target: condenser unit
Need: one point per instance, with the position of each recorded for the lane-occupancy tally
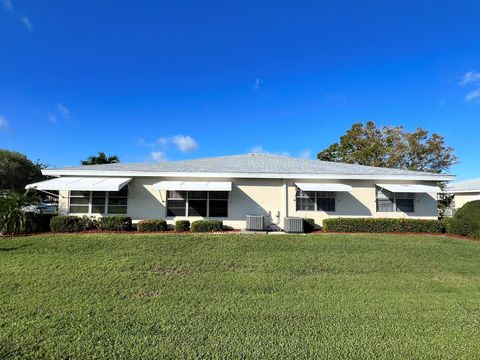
(255, 223)
(293, 225)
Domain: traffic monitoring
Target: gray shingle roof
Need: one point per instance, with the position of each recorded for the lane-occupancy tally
(467, 185)
(251, 164)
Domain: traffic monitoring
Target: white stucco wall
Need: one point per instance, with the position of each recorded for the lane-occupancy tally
(267, 197)
(463, 198)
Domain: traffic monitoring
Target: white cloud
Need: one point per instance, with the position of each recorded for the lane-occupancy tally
(185, 143)
(63, 110)
(257, 84)
(158, 156)
(470, 77)
(51, 117)
(307, 154)
(473, 96)
(7, 4)
(4, 125)
(258, 149)
(25, 21)
(163, 141)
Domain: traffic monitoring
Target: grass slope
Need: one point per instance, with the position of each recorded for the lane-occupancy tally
(151, 296)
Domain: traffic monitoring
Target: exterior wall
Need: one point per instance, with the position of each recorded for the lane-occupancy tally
(274, 198)
(463, 198)
(361, 202)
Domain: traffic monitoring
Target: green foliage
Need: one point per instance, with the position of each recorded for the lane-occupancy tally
(308, 225)
(182, 225)
(466, 220)
(152, 225)
(382, 225)
(115, 223)
(391, 147)
(13, 217)
(16, 171)
(207, 225)
(68, 223)
(101, 158)
(329, 296)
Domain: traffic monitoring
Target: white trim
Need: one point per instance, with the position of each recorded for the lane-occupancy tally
(461, 191)
(433, 177)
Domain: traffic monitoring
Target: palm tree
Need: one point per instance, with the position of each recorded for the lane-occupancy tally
(15, 218)
(101, 159)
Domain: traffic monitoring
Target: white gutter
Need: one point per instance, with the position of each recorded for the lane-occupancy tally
(433, 177)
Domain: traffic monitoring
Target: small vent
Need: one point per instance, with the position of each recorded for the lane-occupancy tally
(255, 223)
(293, 225)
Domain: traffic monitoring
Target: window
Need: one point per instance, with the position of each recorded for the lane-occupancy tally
(325, 201)
(385, 201)
(405, 202)
(315, 200)
(79, 202)
(392, 202)
(117, 201)
(197, 203)
(99, 202)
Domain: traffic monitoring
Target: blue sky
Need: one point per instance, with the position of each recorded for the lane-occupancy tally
(149, 80)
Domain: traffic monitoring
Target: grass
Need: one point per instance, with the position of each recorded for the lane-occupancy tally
(231, 296)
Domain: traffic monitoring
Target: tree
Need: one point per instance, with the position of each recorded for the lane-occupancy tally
(100, 159)
(16, 171)
(15, 219)
(391, 147)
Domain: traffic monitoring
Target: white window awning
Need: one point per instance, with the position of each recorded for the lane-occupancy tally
(193, 186)
(410, 188)
(81, 184)
(324, 187)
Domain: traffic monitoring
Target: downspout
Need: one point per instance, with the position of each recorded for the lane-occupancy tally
(285, 201)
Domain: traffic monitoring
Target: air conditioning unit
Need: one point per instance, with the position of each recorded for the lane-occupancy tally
(255, 223)
(293, 225)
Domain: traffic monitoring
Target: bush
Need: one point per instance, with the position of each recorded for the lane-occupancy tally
(466, 220)
(115, 223)
(152, 225)
(182, 225)
(308, 225)
(68, 223)
(207, 225)
(382, 225)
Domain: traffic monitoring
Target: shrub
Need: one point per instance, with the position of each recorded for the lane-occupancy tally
(207, 225)
(308, 225)
(115, 223)
(382, 225)
(152, 225)
(182, 225)
(68, 223)
(466, 220)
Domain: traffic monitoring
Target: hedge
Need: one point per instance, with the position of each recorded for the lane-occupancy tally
(115, 223)
(207, 225)
(152, 225)
(68, 223)
(182, 225)
(382, 225)
(466, 220)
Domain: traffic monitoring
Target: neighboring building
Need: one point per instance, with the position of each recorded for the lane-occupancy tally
(231, 187)
(464, 191)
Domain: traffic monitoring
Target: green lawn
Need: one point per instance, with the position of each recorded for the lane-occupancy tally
(151, 296)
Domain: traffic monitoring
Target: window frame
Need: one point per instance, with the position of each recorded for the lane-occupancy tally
(300, 194)
(187, 205)
(394, 201)
(105, 195)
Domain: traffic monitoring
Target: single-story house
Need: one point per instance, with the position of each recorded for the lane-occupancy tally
(231, 187)
(464, 191)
